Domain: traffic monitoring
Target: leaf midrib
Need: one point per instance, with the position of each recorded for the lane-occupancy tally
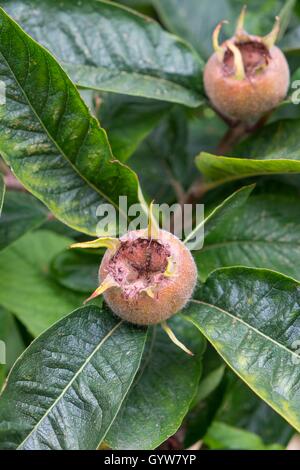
(248, 325)
(56, 145)
(135, 74)
(85, 363)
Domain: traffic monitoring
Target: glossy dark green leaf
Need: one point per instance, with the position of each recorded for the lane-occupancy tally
(219, 170)
(128, 120)
(273, 150)
(162, 391)
(221, 436)
(78, 372)
(47, 135)
(222, 212)
(77, 270)
(27, 288)
(107, 47)
(262, 308)
(264, 233)
(21, 213)
(195, 20)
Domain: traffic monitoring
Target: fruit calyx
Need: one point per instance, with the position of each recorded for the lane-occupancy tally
(244, 55)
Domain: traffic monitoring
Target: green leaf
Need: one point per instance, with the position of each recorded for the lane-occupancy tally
(195, 20)
(262, 308)
(222, 212)
(262, 234)
(221, 436)
(277, 140)
(78, 372)
(21, 213)
(2, 193)
(26, 287)
(243, 409)
(128, 121)
(47, 135)
(77, 270)
(219, 170)
(111, 48)
(162, 391)
(272, 150)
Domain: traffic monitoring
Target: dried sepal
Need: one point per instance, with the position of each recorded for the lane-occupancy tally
(238, 61)
(174, 339)
(220, 50)
(270, 39)
(171, 268)
(240, 32)
(103, 242)
(108, 283)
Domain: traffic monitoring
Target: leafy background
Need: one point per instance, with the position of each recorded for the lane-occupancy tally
(118, 85)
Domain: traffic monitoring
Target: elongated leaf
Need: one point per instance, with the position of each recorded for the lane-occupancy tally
(47, 135)
(273, 150)
(129, 120)
(277, 140)
(26, 287)
(264, 233)
(222, 212)
(218, 170)
(162, 391)
(78, 372)
(77, 270)
(2, 193)
(262, 308)
(21, 213)
(111, 48)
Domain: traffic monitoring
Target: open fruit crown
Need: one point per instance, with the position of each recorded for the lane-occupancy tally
(248, 75)
(146, 276)
(244, 54)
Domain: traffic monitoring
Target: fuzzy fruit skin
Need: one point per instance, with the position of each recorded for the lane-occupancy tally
(171, 294)
(248, 99)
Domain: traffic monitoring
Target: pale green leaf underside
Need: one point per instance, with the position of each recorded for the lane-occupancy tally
(218, 170)
(47, 135)
(252, 318)
(28, 289)
(111, 48)
(78, 372)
